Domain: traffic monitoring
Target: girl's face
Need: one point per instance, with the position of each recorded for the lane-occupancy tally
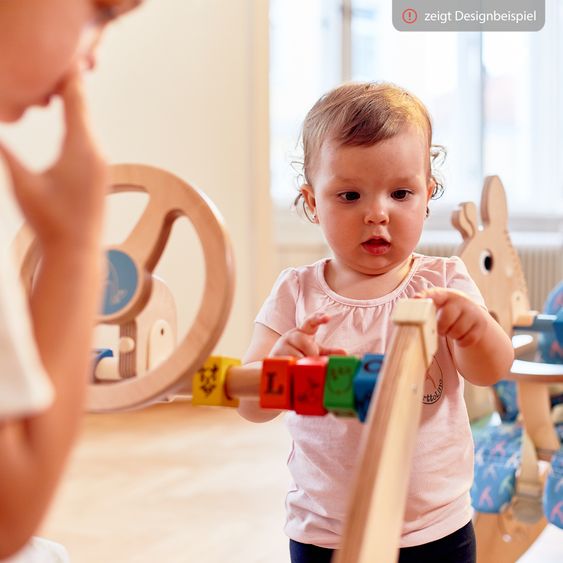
(370, 201)
(41, 42)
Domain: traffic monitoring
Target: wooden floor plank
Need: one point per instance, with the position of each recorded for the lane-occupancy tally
(174, 483)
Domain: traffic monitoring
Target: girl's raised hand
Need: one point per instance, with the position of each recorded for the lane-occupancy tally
(458, 317)
(64, 204)
(300, 341)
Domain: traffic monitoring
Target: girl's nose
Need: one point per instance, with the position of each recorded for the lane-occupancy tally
(376, 214)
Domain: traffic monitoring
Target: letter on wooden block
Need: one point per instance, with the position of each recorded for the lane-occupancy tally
(208, 386)
(276, 384)
(308, 385)
(365, 381)
(339, 385)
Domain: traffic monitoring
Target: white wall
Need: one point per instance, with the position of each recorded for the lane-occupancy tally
(183, 85)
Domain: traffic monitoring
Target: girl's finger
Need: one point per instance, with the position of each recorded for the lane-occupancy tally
(438, 294)
(446, 318)
(332, 351)
(303, 343)
(461, 327)
(312, 323)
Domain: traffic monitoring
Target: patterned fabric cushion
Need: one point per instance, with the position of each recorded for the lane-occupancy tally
(497, 448)
(497, 457)
(553, 492)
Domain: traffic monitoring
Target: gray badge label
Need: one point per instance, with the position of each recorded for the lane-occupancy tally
(468, 15)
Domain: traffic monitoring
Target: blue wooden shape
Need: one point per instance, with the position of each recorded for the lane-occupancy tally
(121, 282)
(100, 353)
(364, 383)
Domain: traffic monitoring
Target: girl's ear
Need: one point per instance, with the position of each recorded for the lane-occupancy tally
(310, 202)
(430, 189)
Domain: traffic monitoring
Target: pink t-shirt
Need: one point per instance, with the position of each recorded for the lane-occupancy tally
(325, 448)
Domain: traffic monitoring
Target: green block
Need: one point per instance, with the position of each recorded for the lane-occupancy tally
(339, 384)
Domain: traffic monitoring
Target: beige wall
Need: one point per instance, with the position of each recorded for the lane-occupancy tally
(183, 84)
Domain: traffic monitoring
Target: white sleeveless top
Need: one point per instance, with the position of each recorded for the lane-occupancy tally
(24, 385)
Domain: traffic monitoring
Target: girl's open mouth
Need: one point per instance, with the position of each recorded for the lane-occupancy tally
(376, 246)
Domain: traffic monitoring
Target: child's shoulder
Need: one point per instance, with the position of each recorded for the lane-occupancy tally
(440, 262)
(301, 274)
(443, 267)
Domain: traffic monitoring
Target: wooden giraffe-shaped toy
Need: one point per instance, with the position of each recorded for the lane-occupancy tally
(494, 265)
(490, 257)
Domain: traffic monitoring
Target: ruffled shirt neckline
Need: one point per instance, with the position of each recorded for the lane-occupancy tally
(320, 277)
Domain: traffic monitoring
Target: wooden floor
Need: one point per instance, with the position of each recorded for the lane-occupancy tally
(173, 484)
(182, 484)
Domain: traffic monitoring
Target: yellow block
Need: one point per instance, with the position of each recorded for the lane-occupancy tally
(208, 385)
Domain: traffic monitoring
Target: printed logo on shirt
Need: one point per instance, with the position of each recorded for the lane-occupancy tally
(433, 384)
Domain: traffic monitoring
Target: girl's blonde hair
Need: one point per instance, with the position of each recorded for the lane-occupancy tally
(363, 114)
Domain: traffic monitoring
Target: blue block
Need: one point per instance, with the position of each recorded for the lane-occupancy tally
(364, 383)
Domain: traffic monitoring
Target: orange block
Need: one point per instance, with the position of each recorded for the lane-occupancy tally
(276, 384)
(309, 376)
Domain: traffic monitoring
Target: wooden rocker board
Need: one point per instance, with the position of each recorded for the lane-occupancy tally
(169, 199)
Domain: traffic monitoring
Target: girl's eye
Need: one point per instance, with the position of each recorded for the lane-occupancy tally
(349, 196)
(400, 194)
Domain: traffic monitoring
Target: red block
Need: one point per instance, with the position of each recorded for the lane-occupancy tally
(276, 383)
(308, 385)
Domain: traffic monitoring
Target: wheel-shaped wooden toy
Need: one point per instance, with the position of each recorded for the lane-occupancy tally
(131, 288)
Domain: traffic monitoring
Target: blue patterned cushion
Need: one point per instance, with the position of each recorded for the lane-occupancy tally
(497, 448)
(497, 457)
(506, 392)
(553, 492)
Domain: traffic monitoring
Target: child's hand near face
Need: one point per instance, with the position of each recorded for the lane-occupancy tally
(64, 204)
(482, 350)
(300, 341)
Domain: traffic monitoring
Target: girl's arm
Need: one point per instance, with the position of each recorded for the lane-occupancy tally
(482, 351)
(262, 342)
(297, 342)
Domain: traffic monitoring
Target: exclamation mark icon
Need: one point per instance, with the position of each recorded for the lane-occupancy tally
(409, 15)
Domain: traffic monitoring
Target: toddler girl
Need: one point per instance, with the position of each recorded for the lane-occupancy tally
(368, 181)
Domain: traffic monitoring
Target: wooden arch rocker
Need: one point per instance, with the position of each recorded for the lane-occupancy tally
(140, 304)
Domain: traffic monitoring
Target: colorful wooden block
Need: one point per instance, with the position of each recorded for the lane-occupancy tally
(339, 385)
(208, 384)
(276, 383)
(365, 381)
(308, 385)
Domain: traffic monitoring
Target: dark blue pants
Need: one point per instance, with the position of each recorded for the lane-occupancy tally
(458, 547)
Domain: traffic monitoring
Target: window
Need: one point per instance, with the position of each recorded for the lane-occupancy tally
(496, 98)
